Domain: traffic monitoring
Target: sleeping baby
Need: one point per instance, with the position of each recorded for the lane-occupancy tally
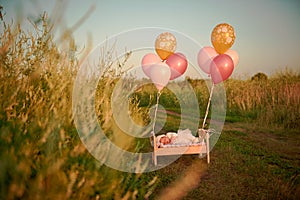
(167, 139)
(181, 137)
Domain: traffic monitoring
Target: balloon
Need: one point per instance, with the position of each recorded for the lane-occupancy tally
(148, 60)
(165, 45)
(222, 37)
(178, 64)
(234, 56)
(160, 75)
(205, 57)
(221, 68)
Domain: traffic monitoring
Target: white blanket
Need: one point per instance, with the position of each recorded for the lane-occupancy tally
(181, 138)
(185, 137)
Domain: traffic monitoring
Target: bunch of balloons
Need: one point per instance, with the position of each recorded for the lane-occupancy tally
(165, 65)
(219, 61)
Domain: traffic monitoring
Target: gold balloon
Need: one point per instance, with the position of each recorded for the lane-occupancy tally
(165, 45)
(222, 37)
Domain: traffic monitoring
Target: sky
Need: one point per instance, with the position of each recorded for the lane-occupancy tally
(267, 31)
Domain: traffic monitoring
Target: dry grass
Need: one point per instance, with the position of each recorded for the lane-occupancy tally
(272, 102)
(40, 152)
(35, 114)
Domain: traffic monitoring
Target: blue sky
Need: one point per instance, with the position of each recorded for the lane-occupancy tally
(267, 31)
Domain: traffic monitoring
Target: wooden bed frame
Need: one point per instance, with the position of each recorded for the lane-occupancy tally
(182, 150)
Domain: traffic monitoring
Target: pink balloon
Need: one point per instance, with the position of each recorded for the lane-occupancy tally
(178, 64)
(205, 57)
(160, 75)
(148, 60)
(221, 68)
(234, 56)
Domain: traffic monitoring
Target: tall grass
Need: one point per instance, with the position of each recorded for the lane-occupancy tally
(272, 102)
(41, 154)
(36, 119)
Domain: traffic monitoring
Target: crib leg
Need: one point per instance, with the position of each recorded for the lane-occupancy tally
(154, 159)
(208, 158)
(207, 148)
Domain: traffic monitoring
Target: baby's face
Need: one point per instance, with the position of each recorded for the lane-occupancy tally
(164, 140)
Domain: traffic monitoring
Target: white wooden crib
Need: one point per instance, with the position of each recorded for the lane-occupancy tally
(197, 148)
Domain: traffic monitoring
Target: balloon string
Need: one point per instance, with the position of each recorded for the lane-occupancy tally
(156, 108)
(208, 104)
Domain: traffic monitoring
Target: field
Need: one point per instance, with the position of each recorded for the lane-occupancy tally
(42, 156)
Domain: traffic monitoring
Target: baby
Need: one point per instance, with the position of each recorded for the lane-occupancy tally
(165, 140)
(182, 137)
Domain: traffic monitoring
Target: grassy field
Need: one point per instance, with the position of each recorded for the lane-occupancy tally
(42, 156)
(247, 163)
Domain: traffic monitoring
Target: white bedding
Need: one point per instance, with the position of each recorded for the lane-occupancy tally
(180, 139)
